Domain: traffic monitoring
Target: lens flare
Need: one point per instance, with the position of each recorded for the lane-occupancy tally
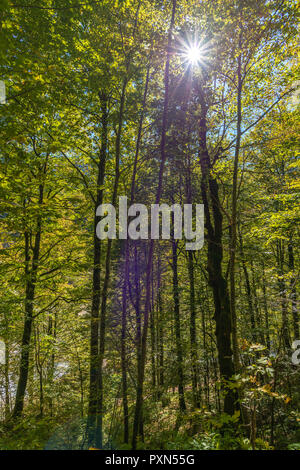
(194, 55)
(194, 52)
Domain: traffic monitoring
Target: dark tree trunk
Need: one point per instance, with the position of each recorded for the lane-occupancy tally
(96, 290)
(248, 291)
(31, 278)
(233, 228)
(6, 378)
(283, 296)
(52, 325)
(256, 308)
(213, 224)
(106, 281)
(160, 331)
(179, 355)
(265, 305)
(153, 344)
(193, 341)
(293, 294)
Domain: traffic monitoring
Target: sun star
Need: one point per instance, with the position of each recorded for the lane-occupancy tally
(193, 54)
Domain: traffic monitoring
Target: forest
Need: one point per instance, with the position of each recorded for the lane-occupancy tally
(139, 342)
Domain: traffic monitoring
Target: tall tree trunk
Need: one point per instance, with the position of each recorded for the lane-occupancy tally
(213, 224)
(141, 365)
(104, 295)
(31, 278)
(193, 341)
(256, 309)
(180, 379)
(206, 354)
(6, 378)
(293, 294)
(52, 328)
(126, 269)
(160, 331)
(283, 296)
(233, 230)
(265, 305)
(39, 368)
(96, 289)
(153, 343)
(248, 291)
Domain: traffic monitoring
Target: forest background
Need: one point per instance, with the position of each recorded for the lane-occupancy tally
(140, 343)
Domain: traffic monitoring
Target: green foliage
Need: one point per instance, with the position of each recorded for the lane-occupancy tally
(60, 65)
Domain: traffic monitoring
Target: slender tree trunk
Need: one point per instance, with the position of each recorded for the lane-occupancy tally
(193, 341)
(102, 324)
(293, 294)
(52, 332)
(213, 223)
(126, 269)
(141, 365)
(81, 384)
(265, 305)
(214, 366)
(31, 278)
(96, 289)
(6, 378)
(233, 231)
(180, 378)
(283, 296)
(152, 336)
(160, 328)
(123, 346)
(206, 353)
(257, 310)
(41, 392)
(248, 291)
(39, 368)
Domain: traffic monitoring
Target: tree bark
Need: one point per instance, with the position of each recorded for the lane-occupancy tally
(180, 378)
(293, 295)
(30, 279)
(96, 289)
(248, 291)
(233, 231)
(283, 296)
(213, 224)
(141, 365)
(104, 294)
(126, 270)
